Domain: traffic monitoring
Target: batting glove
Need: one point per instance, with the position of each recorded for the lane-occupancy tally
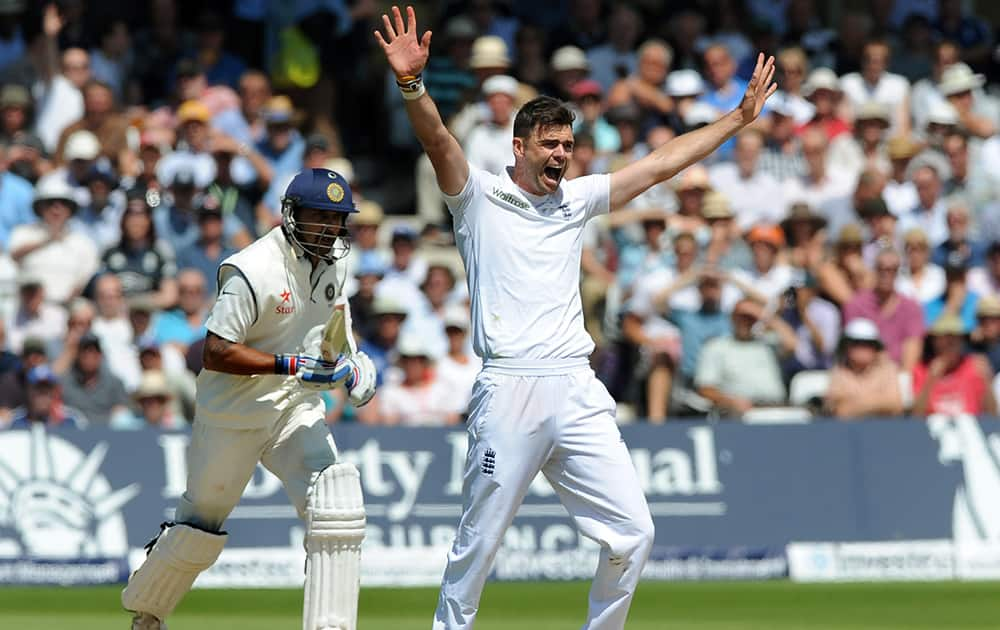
(313, 372)
(361, 382)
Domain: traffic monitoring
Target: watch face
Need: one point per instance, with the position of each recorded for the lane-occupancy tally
(331, 292)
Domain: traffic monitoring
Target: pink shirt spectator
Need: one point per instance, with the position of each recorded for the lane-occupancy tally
(958, 391)
(897, 325)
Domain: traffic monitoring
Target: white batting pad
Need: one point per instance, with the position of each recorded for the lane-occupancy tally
(181, 552)
(335, 527)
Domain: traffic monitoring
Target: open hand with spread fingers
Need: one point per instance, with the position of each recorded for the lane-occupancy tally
(760, 88)
(407, 54)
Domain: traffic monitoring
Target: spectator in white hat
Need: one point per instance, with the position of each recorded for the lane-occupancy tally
(685, 87)
(876, 83)
(459, 367)
(959, 85)
(865, 382)
(865, 148)
(488, 144)
(49, 248)
(925, 91)
(569, 66)
(617, 58)
(822, 89)
(421, 398)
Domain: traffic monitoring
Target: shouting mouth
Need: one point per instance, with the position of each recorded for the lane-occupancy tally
(553, 174)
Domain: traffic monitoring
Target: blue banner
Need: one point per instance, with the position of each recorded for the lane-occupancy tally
(77, 507)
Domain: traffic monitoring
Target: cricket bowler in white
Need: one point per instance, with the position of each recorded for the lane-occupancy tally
(537, 405)
(267, 356)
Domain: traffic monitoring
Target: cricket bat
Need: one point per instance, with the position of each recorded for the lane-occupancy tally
(338, 336)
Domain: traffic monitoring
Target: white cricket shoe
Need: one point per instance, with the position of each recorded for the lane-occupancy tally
(146, 621)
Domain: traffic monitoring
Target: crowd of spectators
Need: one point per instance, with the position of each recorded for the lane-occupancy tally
(839, 257)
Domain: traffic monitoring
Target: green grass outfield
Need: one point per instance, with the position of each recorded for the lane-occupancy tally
(532, 606)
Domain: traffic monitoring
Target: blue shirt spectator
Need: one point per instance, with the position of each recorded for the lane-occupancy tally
(16, 194)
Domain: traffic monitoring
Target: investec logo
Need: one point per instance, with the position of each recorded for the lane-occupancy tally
(975, 513)
(510, 198)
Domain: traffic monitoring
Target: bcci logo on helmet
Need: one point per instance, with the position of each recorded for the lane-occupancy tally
(55, 503)
(335, 192)
(975, 513)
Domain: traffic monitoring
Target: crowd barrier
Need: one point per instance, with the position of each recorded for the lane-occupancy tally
(892, 499)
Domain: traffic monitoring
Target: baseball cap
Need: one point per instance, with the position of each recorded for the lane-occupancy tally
(33, 345)
(403, 233)
(192, 110)
(460, 27)
(82, 145)
(586, 87)
(624, 113)
(500, 84)
(41, 374)
(569, 58)
(861, 329)
(684, 83)
(700, 114)
(369, 266)
(770, 234)
(90, 340)
(317, 142)
(489, 51)
(871, 208)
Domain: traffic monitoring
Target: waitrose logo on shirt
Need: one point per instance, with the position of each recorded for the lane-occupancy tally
(510, 198)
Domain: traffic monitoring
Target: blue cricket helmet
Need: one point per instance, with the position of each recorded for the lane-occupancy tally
(320, 189)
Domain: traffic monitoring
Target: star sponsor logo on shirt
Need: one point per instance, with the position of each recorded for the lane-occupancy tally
(508, 197)
(286, 298)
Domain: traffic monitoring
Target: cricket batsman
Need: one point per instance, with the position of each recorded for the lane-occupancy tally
(536, 405)
(278, 334)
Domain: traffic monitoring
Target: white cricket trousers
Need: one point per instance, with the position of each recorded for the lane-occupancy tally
(557, 418)
(221, 461)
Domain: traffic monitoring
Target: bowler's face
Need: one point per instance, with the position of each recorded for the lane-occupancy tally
(546, 152)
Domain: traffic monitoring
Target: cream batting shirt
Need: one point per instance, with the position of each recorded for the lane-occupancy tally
(269, 299)
(522, 256)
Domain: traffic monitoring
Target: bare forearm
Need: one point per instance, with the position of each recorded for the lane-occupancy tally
(427, 123)
(222, 355)
(694, 146)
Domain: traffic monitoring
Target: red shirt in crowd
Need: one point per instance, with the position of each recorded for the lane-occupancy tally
(958, 391)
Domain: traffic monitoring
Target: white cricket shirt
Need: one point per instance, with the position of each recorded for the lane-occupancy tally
(269, 299)
(522, 257)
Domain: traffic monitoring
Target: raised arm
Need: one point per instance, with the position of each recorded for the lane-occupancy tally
(685, 150)
(407, 56)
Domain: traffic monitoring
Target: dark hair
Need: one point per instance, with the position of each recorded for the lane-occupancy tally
(541, 112)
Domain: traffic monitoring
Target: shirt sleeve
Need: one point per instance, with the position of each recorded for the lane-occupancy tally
(708, 370)
(235, 308)
(458, 204)
(596, 192)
